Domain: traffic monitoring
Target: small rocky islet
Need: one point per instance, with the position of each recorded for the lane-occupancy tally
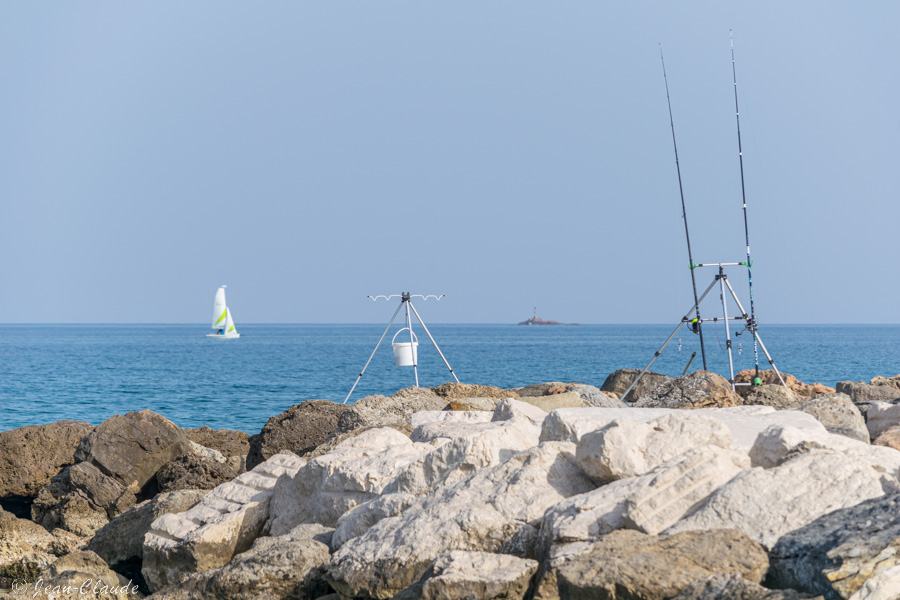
(554, 490)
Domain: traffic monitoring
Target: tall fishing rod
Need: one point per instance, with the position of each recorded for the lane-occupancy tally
(687, 234)
(752, 324)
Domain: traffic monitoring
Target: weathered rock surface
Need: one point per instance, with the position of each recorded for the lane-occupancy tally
(454, 391)
(30, 456)
(770, 377)
(768, 503)
(700, 389)
(359, 520)
(619, 381)
(224, 523)
(193, 472)
(82, 574)
(299, 429)
(775, 395)
(884, 586)
(121, 540)
(229, 442)
(132, 447)
(287, 566)
(390, 411)
(462, 575)
(879, 389)
(777, 443)
(839, 415)
(835, 554)
(734, 587)
(629, 564)
(890, 438)
(744, 422)
(355, 472)
(456, 416)
(881, 416)
(26, 548)
(472, 447)
(81, 499)
(472, 404)
(480, 513)
(627, 448)
(540, 395)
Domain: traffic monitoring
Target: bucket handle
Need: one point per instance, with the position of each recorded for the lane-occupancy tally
(413, 333)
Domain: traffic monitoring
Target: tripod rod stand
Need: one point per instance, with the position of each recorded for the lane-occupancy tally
(722, 279)
(405, 302)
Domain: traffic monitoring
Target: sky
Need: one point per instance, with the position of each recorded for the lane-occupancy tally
(511, 155)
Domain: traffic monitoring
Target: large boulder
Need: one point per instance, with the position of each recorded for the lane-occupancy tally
(879, 389)
(391, 411)
(767, 503)
(540, 395)
(455, 391)
(889, 438)
(881, 416)
(779, 443)
(287, 566)
(619, 381)
(838, 552)
(627, 448)
(700, 389)
(299, 429)
(81, 499)
(121, 541)
(481, 513)
(744, 422)
(224, 523)
(839, 415)
(233, 445)
(734, 587)
(193, 472)
(357, 521)
(26, 548)
(629, 564)
(776, 396)
(462, 575)
(354, 472)
(82, 575)
(30, 456)
(770, 377)
(132, 447)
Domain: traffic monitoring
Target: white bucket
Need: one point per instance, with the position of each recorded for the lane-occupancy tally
(405, 353)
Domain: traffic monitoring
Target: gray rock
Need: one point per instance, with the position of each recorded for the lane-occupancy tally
(700, 389)
(132, 447)
(733, 587)
(121, 540)
(461, 575)
(286, 566)
(589, 395)
(879, 389)
(776, 396)
(619, 381)
(837, 553)
(300, 429)
(193, 472)
(628, 564)
(30, 456)
(229, 442)
(81, 499)
(454, 391)
(839, 415)
(391, 411)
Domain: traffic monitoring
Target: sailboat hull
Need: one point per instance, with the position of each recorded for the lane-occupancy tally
(227, 336)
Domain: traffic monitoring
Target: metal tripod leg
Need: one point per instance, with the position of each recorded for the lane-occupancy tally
(684, 319)
(722, 282)
(428, 333)
(391, 322)
(412, 346)
(756, 336)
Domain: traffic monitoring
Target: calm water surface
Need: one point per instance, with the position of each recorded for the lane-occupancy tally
(90, 372)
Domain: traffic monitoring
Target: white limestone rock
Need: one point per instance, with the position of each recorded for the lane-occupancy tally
(627, 448)
(768, 503)
(355, 471)
(675, 488)
(359, 520)
(884, 586)
(458, 416)
(881, 417)
(480, 513)
(744, 422)
(510, 408)
(462, 575)
(224, 523)
(483, 446)
(778, 442)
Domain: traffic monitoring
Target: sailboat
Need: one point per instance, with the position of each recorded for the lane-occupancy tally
(222, 321)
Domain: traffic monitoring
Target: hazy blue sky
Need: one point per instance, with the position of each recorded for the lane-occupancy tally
(508, 154)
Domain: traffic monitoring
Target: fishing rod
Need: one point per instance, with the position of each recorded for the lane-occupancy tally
(699, 321)
(751, 325)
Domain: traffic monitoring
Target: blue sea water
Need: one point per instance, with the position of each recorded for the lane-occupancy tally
(90, 372)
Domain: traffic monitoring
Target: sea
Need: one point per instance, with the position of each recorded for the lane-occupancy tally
(91, 372)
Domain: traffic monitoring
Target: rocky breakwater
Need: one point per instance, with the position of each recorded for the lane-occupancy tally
(554, 490)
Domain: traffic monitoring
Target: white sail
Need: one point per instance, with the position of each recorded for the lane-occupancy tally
(229, 324)
(219, 309)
